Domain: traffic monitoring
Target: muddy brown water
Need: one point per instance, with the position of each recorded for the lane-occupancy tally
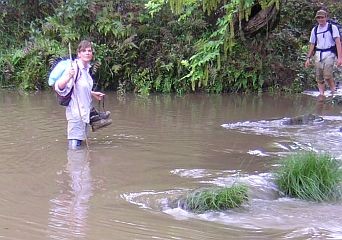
(157, 149)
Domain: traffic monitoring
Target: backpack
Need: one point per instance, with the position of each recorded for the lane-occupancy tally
(58, 68)
(330, 23)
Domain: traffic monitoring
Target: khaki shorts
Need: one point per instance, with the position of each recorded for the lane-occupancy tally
(325, 68)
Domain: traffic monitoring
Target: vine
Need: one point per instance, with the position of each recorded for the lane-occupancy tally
(212, 49)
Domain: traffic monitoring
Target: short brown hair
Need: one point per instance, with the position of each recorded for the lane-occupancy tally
(83, 45)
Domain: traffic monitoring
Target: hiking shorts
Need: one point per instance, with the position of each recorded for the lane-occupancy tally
(325, 68)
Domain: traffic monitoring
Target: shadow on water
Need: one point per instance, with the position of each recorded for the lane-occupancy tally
(157, 149)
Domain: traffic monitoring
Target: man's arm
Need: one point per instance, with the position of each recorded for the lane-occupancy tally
(339, 51)
(309, 55)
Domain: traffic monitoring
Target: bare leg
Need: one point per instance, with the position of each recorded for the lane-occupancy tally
(321, 88)
(332, 86)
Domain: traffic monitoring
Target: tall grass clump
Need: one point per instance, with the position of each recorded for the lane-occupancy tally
(310, 176)
(216, 199)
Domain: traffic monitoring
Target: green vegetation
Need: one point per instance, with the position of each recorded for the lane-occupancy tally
(216, 199)
(310, 176)
(306, 175)
(163, 45)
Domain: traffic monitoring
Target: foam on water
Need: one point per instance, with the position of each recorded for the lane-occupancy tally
(327, 93)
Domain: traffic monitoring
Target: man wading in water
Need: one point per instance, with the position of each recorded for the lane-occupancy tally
(78, 112)
(325, 46)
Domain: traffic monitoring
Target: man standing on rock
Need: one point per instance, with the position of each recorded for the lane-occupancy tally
(325, 46)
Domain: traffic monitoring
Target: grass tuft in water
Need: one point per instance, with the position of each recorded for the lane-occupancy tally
(216, 198)
(310, 176)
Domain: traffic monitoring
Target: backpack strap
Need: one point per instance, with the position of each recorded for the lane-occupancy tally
(76, 77)
(77, 72)
(330, 49)
(315, 31)
(330, 29)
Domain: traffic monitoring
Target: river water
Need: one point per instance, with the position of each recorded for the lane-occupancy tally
(157, 149)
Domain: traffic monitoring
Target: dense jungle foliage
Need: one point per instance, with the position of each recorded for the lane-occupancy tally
(163, 45)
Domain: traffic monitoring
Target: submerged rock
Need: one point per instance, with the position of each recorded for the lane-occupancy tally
(179, 203)
(303, 119)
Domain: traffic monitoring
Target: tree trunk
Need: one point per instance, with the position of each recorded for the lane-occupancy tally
(260, 19)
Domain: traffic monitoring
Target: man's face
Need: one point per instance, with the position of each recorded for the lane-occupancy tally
(86, 55)
(321, 20)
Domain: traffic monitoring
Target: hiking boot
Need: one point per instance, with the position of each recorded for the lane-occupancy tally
(94, 112)
(97, 116)
(100, 124)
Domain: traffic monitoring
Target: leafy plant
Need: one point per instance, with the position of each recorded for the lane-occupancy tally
(143, 82)
(171, 45)
(310, 176)
(216, 199)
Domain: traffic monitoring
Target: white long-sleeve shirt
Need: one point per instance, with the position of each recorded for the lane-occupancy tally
(81, 99)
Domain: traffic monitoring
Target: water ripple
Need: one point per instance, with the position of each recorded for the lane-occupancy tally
(266, 209)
